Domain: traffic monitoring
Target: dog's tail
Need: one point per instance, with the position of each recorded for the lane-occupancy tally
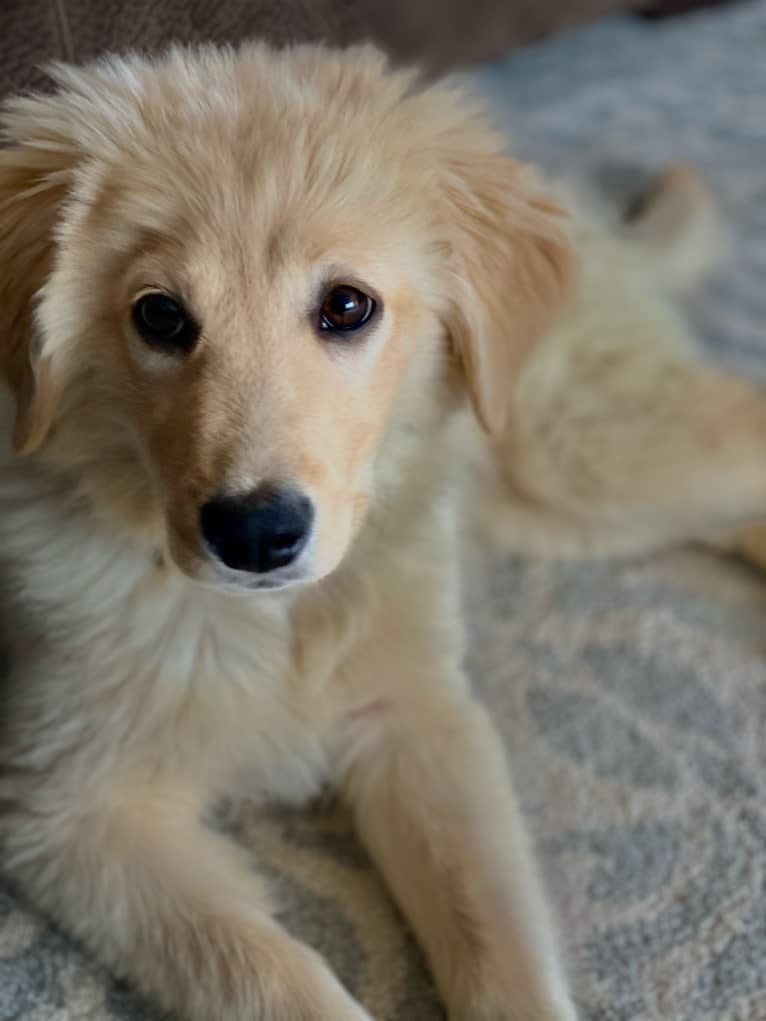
(679, 225)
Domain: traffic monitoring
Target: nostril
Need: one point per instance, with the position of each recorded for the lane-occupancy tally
(286, 541)
(259, 531)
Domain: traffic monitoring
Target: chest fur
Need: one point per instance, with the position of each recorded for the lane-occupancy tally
(122, 667)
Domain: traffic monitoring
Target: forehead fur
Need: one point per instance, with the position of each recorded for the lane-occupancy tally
(209, 136)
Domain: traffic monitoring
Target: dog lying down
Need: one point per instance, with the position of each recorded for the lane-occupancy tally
(276, 327)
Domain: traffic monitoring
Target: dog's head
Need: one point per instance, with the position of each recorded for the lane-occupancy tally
(223, 275)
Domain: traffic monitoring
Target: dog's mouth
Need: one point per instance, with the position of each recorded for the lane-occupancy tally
(242, 582)
(210, 572)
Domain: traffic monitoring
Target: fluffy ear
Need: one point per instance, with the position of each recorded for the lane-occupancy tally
(36, 166)
(511, 266)
(37, 397)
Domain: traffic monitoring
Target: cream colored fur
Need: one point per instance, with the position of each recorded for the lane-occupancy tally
(142, 688)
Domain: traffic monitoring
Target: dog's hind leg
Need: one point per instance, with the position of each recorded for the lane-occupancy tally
(621, 437)
(623, 475)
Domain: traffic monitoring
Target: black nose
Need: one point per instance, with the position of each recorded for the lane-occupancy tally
(258, 531)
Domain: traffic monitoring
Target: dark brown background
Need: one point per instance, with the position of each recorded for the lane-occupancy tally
(440, 34)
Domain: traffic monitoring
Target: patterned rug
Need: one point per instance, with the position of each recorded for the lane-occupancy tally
(632, 694)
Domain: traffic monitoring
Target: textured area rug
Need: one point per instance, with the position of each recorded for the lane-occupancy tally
(633, 694)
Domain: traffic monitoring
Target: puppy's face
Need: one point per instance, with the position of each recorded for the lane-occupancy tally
(258, 265)
(254, 355)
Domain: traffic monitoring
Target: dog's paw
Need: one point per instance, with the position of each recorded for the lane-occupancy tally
(515, 1006)
(323, 997)
(513, 1013)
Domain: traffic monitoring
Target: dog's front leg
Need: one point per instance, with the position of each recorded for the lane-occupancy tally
(170, 905)
(426, 776)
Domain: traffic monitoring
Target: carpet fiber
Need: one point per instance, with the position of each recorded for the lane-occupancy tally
(632, 694)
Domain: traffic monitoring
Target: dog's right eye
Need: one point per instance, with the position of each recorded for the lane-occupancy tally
(163, 323)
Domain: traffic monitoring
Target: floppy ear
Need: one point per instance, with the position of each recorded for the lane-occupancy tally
(37, 397)
(511, 266)
(36, 167)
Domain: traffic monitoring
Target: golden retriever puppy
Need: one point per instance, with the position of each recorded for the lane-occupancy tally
(247, 303)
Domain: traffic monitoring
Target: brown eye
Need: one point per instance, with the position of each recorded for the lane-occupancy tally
(163, 322)
(345, 308)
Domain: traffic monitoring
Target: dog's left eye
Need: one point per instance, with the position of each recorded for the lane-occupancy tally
(345, 308)
(163, 323)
